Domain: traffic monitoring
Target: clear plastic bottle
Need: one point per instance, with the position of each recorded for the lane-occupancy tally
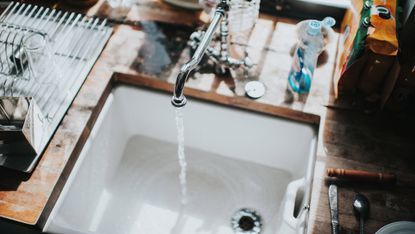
(311, 42)
(242, 16)
(208, 5)
(242, 13)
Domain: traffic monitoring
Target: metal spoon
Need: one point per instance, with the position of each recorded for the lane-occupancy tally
(361, 207)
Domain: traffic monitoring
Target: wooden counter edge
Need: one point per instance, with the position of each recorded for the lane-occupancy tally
(73, 158)
(230, 101)
(155, 85)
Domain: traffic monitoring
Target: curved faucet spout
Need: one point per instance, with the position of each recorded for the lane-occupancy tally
(179, 99)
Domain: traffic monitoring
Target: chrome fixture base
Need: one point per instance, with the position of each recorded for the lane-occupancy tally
(200, 42)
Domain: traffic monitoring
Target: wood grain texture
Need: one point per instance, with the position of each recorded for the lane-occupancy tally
(348, 139)
(361, 177)
(238, 102)
(29, 200)
(379, 142)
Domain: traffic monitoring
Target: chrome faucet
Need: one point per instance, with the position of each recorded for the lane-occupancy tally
(201, 41)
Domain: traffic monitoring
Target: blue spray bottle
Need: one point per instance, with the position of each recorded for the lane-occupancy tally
(311, 42)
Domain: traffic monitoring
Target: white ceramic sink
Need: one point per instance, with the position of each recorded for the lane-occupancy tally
(126, 178)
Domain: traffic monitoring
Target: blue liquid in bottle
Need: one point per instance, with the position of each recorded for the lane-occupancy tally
(300, 76)
(310, 44)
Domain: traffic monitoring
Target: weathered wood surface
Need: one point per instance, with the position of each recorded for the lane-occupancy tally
(29, 199)
(348, 139)
(231, 101)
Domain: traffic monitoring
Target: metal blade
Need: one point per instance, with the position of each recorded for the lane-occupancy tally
(334, 208)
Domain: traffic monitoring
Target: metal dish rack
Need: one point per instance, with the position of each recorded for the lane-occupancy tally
(45, 56)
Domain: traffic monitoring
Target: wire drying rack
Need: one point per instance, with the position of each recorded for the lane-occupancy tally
(45, 54)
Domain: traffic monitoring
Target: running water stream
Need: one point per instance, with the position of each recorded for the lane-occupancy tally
(181, 155)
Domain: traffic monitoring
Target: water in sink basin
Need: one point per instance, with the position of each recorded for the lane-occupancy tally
(217, 187)
(126, 177)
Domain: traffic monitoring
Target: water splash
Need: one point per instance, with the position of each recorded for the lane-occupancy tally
(181, 155)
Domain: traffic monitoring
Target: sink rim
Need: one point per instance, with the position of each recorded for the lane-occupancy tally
(238, 102)
(241, 103)
(245, 104)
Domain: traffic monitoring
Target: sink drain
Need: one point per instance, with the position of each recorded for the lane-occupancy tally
(246, 221)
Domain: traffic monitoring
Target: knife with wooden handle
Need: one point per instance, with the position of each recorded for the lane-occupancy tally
(334, 212)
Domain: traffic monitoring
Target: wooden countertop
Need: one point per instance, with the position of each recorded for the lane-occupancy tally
(348, 139)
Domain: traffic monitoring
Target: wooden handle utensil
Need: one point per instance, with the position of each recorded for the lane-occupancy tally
(362, 176)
